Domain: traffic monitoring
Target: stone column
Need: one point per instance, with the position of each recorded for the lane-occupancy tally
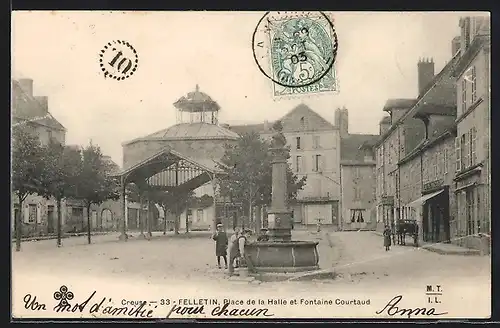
(149, 216)
(123, 235)
(141, 218)
(214, 188)
(279, 215)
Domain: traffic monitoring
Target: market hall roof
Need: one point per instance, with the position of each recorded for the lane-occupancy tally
(157, 169)
(190, 131)
(196, 101)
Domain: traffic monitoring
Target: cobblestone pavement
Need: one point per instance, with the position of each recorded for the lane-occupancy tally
(187, 263)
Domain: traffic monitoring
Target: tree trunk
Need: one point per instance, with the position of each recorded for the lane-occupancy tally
(176, 219)
(258, 219)
(164, 219)
(19, 222)
(59, 223)
(89, 239)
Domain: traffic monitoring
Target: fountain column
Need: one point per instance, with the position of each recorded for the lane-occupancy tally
(280, 254)
(279, 215)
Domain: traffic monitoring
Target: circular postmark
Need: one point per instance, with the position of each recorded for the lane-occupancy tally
(295, 49)
(118, 60)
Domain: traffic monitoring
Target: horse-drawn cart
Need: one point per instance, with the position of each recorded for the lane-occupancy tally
(406, 227)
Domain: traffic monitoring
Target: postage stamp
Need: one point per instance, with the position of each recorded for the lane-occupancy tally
(183, 190)
(297, 52)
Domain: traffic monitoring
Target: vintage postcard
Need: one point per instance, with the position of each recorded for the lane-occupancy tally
(192, 165)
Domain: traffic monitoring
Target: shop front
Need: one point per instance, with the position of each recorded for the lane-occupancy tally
(473, 228)
(431, 211)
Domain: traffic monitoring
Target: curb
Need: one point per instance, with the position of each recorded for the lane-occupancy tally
(467, 252)
(62, 237)
(430, 248)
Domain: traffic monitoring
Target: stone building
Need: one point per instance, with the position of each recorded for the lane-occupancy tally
(40, 214)
(473, 150)
(411, 122)
(32, 112)
(315, 152)
(182, 158)
(357, 176)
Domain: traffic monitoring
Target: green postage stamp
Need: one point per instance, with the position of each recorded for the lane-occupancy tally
(297, 52)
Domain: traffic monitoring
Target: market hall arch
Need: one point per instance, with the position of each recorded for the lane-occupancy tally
(171, 171)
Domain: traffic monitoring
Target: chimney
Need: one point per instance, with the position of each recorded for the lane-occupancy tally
(455, 45)
(425, 73)
(44, 103)
(344, 123)
(385, 124)
(27, 86)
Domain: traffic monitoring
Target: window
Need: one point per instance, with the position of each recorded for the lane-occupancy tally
(316, 142)
(297, 140)
(317, 163)
(357, 192)
(469, 200)
(357, 216)
(473, 84)
(458, 156)
(298, 162)
(473, 136)
(445, 161)
(302, 123)
(49, 135)
(199, 215)
(32, 213)
(478, 213)
(464, 95)
(463, 150)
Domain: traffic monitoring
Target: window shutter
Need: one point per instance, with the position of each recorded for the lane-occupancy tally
(458, 154)
(303, 158)
(314, 163)
(38, 213)
(26, 218)
(473, 145)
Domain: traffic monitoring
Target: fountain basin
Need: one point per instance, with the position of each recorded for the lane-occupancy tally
(283, 257)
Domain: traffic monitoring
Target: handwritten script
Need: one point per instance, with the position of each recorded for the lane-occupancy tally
(392, 309)
(220, 311)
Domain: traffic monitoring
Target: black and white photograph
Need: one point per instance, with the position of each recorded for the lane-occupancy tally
(249, 165)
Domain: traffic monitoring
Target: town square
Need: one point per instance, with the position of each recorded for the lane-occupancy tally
(276, 170)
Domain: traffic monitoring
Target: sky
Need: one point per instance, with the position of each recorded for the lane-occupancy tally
(377, 60)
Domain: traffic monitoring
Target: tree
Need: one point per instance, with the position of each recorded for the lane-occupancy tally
(95, 185)
(27, 171)
(61, 176)
(249, 172)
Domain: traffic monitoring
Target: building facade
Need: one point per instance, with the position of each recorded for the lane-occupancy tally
(39, 213)
(473, 150)
(315, 153)
(357, 167)
(427, 187)
(412, 123)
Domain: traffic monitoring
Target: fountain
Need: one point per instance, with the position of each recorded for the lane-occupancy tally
(281, 254)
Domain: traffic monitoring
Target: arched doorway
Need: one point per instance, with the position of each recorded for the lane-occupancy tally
(106, 223)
